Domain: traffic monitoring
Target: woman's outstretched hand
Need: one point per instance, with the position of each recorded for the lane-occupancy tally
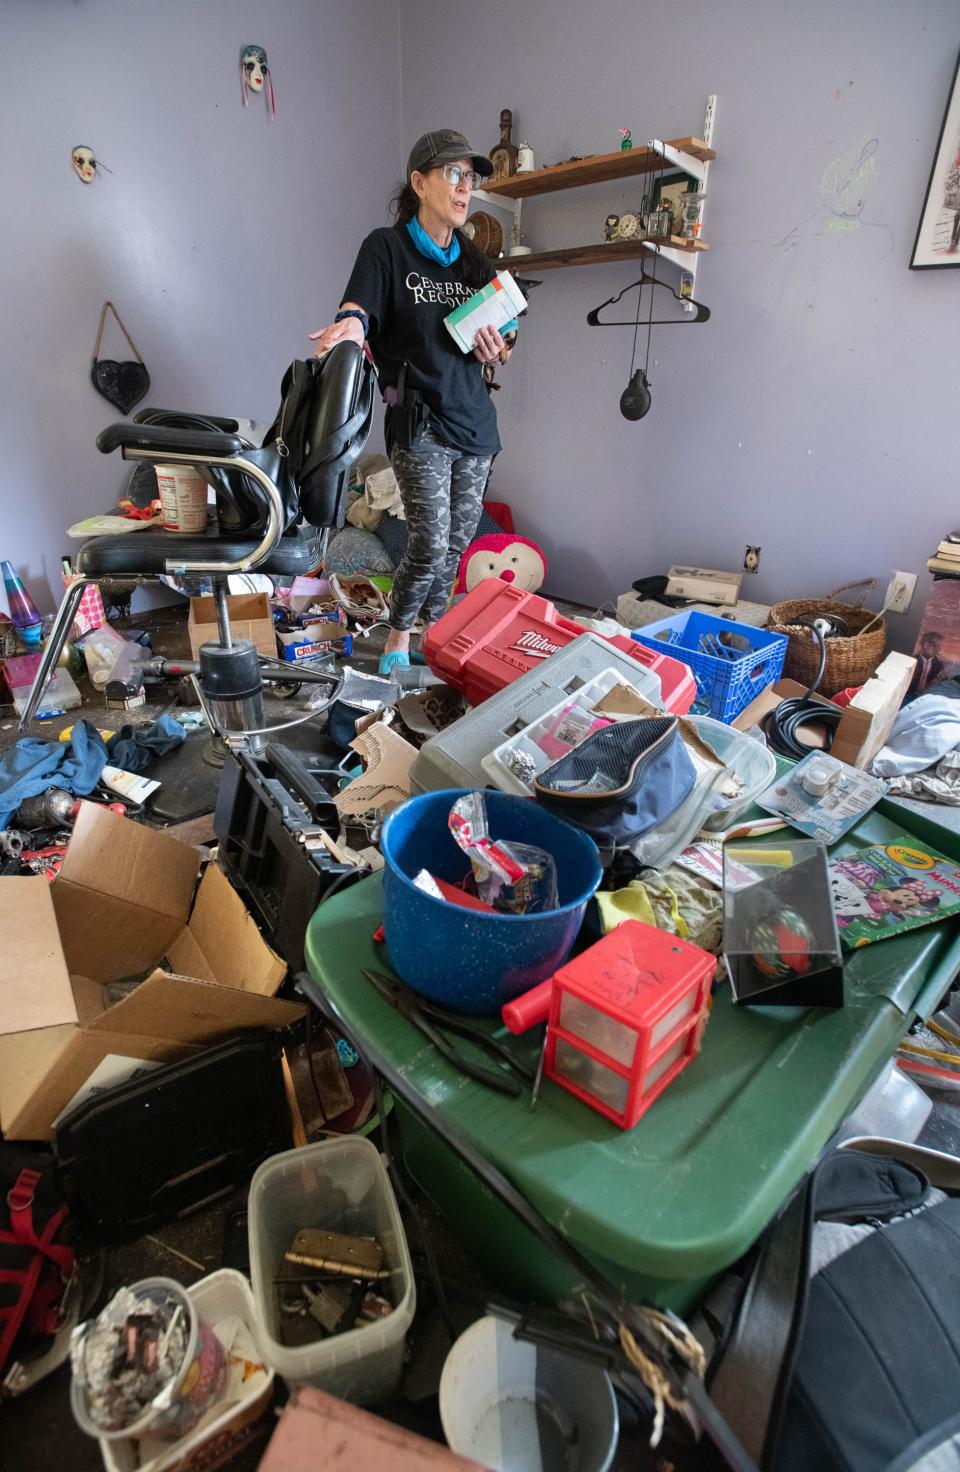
(349, 330)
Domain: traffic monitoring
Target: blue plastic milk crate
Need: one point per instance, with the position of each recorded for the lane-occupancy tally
(731, 662)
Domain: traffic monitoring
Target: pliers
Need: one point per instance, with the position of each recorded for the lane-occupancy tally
(430, 1018)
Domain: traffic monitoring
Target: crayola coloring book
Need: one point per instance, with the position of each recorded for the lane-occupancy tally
(890, 887)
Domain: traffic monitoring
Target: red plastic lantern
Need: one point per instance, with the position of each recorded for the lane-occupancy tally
(623, 1018)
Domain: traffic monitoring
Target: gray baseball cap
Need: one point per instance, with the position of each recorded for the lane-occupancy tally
(445, 146)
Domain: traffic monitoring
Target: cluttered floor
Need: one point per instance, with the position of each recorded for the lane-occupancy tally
(365, 1079)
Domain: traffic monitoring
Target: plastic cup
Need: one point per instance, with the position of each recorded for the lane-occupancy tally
(180, 1404)
(183, 498)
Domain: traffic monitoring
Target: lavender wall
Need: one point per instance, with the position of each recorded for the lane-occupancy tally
(221, 237)
(815, 414)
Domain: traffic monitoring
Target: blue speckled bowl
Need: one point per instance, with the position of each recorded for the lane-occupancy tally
(465, 959)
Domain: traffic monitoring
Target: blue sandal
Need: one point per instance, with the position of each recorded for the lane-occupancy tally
(401, 658)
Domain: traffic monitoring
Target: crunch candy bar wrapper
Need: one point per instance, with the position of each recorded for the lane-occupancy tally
(516, 878)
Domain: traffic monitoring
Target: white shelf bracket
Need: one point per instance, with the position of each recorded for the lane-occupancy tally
(687, 262)
(678, 159)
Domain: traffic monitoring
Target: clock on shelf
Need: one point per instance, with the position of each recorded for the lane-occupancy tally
(622, 227)
(504, 156)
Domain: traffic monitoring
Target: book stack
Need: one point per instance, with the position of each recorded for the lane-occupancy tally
(945, 562)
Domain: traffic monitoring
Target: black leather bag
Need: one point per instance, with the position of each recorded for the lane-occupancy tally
(123, 384)
(321, 427)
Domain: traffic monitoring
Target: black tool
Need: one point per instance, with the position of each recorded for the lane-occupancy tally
(429, 1018)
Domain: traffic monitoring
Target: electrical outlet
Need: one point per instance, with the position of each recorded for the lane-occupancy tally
(900, 591)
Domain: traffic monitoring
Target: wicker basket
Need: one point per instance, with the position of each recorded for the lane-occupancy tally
(849, 660)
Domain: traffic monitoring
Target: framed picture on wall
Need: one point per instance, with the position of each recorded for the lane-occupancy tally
(938, 234)
(667, 194)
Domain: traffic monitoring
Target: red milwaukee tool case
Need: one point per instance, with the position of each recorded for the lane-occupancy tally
(498, 632)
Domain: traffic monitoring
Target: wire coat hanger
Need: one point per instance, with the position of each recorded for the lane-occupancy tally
(702, 312)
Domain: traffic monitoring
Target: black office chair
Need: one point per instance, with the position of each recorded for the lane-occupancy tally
(230, 671)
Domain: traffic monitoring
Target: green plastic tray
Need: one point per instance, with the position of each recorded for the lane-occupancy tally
(664, 1207)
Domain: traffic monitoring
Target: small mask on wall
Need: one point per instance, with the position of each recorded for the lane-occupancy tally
(255, 76)
(84, 162)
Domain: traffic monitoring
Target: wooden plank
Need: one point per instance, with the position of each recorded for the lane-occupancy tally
(596, 169)
(601, 254)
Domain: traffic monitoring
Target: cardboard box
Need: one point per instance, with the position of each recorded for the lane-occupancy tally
(250, 618)
(298, 645)
(123, 903)
(809, 735)
(317, 1430)
(385, 782)
(865, 723)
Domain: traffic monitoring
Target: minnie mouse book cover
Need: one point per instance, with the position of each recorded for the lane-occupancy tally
(890, 887)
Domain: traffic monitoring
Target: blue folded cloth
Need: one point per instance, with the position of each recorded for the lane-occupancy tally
(31, 766)
(134, 747)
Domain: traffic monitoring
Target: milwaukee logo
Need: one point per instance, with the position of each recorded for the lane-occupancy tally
(535, 644)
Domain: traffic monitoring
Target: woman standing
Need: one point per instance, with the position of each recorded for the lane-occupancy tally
(441, 426)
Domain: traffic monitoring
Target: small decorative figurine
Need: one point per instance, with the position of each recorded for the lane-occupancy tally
(525, 163)
(626, 140)
(611, 228)
(504, 156)
(255, 76)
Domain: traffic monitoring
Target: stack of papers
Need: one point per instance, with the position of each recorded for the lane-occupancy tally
(493, 306)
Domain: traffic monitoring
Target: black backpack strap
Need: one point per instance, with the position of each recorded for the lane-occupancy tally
(749, 1386)
(334, 445)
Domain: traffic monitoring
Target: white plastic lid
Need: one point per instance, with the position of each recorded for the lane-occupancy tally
(817, 778)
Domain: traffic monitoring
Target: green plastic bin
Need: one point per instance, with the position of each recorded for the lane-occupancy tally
(663, 1208)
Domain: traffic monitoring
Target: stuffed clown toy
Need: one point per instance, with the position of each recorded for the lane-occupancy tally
(503, 555)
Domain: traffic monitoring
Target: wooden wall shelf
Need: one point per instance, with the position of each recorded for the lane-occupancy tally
(595, 255)
(599, 168)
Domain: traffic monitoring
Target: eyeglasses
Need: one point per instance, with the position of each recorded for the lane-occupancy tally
(453, 175)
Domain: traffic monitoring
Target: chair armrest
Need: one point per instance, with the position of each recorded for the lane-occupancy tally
(160, 440)
(148, 416)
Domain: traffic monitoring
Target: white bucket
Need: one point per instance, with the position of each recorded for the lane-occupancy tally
(183, 497)
(516, 1408)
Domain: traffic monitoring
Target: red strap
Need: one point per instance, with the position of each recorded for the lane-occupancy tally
(20, 1200)
(21, 1193)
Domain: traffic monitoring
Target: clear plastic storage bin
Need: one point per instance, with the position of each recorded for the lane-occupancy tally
(340, 1186)
(754, 763)
(549, 730)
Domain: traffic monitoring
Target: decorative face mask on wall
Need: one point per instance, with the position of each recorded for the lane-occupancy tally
(255, 76)
(84, 162)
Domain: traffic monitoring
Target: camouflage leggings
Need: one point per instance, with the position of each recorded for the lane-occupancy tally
(442, 494)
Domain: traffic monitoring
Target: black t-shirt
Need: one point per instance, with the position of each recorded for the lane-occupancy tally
(406, 297)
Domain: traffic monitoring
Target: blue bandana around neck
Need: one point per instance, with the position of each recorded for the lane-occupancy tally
(444, 256)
